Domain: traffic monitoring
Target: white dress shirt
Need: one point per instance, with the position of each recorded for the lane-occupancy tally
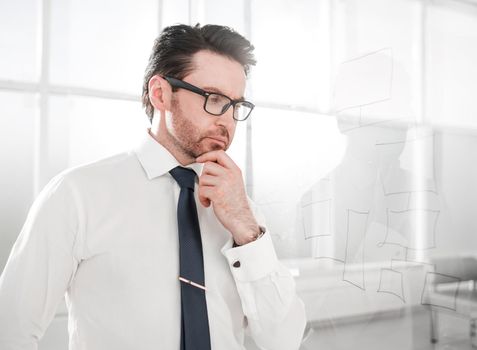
(106, 235)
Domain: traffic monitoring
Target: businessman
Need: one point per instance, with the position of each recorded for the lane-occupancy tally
(160, 247)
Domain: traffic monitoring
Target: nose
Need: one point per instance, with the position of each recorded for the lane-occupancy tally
(227, 120)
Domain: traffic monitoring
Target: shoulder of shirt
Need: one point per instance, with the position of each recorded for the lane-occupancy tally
(104, 168)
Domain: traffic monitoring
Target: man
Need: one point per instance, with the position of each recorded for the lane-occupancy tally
(142, 265)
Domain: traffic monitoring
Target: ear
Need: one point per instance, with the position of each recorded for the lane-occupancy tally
(160, 93)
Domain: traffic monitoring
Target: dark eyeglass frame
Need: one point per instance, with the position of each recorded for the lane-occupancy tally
(177, 83)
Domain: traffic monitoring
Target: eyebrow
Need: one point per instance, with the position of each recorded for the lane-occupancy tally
(213, 89)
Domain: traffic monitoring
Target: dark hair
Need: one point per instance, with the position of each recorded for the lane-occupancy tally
(173, 50)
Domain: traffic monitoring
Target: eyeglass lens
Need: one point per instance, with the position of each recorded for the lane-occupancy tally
(218, 104)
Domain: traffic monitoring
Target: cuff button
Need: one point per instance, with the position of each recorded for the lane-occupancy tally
(236, 264)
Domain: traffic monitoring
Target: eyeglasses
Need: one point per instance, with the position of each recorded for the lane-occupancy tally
(216, 104)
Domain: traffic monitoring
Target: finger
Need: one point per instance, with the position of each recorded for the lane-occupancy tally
(204, 194)
(218, 156)
(204, 201)
(212, 168)
(208, 180)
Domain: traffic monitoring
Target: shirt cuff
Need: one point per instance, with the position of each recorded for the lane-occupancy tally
(251, 261)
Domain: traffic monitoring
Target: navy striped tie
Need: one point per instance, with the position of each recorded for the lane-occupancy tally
(194, 320)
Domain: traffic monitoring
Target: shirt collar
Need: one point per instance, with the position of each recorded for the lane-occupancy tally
(156, 160)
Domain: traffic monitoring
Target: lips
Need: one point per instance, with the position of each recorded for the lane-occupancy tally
(219, 139)
(220, 136)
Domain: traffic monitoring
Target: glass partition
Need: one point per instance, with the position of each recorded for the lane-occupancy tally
(361, 152)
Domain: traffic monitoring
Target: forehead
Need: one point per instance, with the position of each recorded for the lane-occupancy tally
(218, 72)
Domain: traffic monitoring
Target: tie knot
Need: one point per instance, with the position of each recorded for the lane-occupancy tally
(184, 177)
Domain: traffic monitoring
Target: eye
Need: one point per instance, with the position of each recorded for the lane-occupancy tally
(216, 99)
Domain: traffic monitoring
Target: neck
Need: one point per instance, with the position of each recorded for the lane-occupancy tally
(183, 158)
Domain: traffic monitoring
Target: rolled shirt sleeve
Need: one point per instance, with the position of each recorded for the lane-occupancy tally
(39, 268)
(275, 315)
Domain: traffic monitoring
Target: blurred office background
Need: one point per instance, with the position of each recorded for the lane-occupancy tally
(362, 151)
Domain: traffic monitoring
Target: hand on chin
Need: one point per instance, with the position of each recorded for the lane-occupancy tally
(221, 185)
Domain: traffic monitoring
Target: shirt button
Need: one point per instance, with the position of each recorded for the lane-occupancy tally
(236, 264)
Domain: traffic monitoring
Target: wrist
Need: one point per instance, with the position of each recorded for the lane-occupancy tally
(250, 236)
